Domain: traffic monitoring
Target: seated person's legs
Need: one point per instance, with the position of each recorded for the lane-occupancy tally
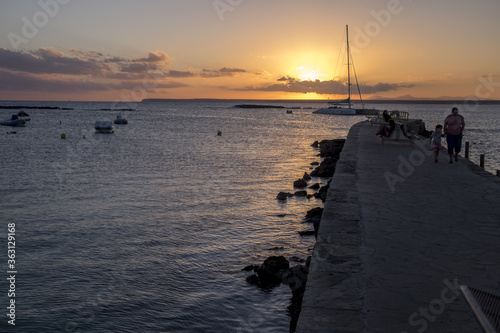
(380, 129)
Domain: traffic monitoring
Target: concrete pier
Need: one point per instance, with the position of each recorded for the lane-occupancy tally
(398, 234)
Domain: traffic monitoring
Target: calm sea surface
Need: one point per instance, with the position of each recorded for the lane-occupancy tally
(147, 229)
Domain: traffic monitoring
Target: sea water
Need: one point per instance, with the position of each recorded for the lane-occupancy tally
(147, 229)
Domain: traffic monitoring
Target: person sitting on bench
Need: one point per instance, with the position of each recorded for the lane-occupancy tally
(386, 129)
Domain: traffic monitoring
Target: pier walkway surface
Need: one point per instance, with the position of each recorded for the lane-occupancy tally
(398, 234)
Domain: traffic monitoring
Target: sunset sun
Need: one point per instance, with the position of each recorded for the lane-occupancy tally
(308, 74)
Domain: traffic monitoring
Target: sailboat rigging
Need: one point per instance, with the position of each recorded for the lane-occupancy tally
(337, 107)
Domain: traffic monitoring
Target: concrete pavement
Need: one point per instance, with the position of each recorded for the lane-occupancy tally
(398, 234)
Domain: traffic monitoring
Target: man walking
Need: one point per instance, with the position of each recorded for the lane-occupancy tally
(454, 125)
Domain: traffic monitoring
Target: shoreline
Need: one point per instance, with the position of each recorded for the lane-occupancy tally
(276, 269)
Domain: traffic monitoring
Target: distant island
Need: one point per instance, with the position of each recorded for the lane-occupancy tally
(258, 106)
(16, 107)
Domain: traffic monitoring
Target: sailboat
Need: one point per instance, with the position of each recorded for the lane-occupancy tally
(344, 107)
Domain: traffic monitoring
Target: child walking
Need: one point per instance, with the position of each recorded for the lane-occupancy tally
(436, 141)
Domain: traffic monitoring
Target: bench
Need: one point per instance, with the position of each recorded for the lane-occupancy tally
(396, 134)
(375, 116)
(401, 116)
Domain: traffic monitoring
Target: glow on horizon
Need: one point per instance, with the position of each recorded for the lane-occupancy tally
(287, 49)
(312, 75)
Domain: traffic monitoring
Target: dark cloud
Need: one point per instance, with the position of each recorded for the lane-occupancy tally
(221, 72)
(50, 70)
(154, 57)
(15, 81)
(135, 68)
(115, 60)
(124, 76)
(231, 70)
(286, 79)
(78, 62)
(96, 64)
(180, 74)
(292, 85)
(49, 61)
(153, 62)
(86, 54)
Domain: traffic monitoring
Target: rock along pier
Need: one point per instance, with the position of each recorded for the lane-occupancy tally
(398, 234)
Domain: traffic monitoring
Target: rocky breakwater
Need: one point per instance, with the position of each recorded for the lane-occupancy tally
(276, 270)
(329, 151)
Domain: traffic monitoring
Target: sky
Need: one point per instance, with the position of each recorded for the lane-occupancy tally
(126, 50)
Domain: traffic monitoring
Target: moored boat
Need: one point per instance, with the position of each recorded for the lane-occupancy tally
(337, 109)
(104, 126)
(344, 107)
(24, 115)
(120, 120)
(14, 120)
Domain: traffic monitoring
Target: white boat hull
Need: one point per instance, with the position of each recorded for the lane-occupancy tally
(339, 111)
(104, 127)
(14, 122)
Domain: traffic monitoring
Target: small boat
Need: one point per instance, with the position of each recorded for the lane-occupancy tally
(289, 111)
(104, 126)
(14, 120)
(120, 120)
(24, 115)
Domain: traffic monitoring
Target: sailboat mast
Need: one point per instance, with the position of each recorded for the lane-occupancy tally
(348, 66)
